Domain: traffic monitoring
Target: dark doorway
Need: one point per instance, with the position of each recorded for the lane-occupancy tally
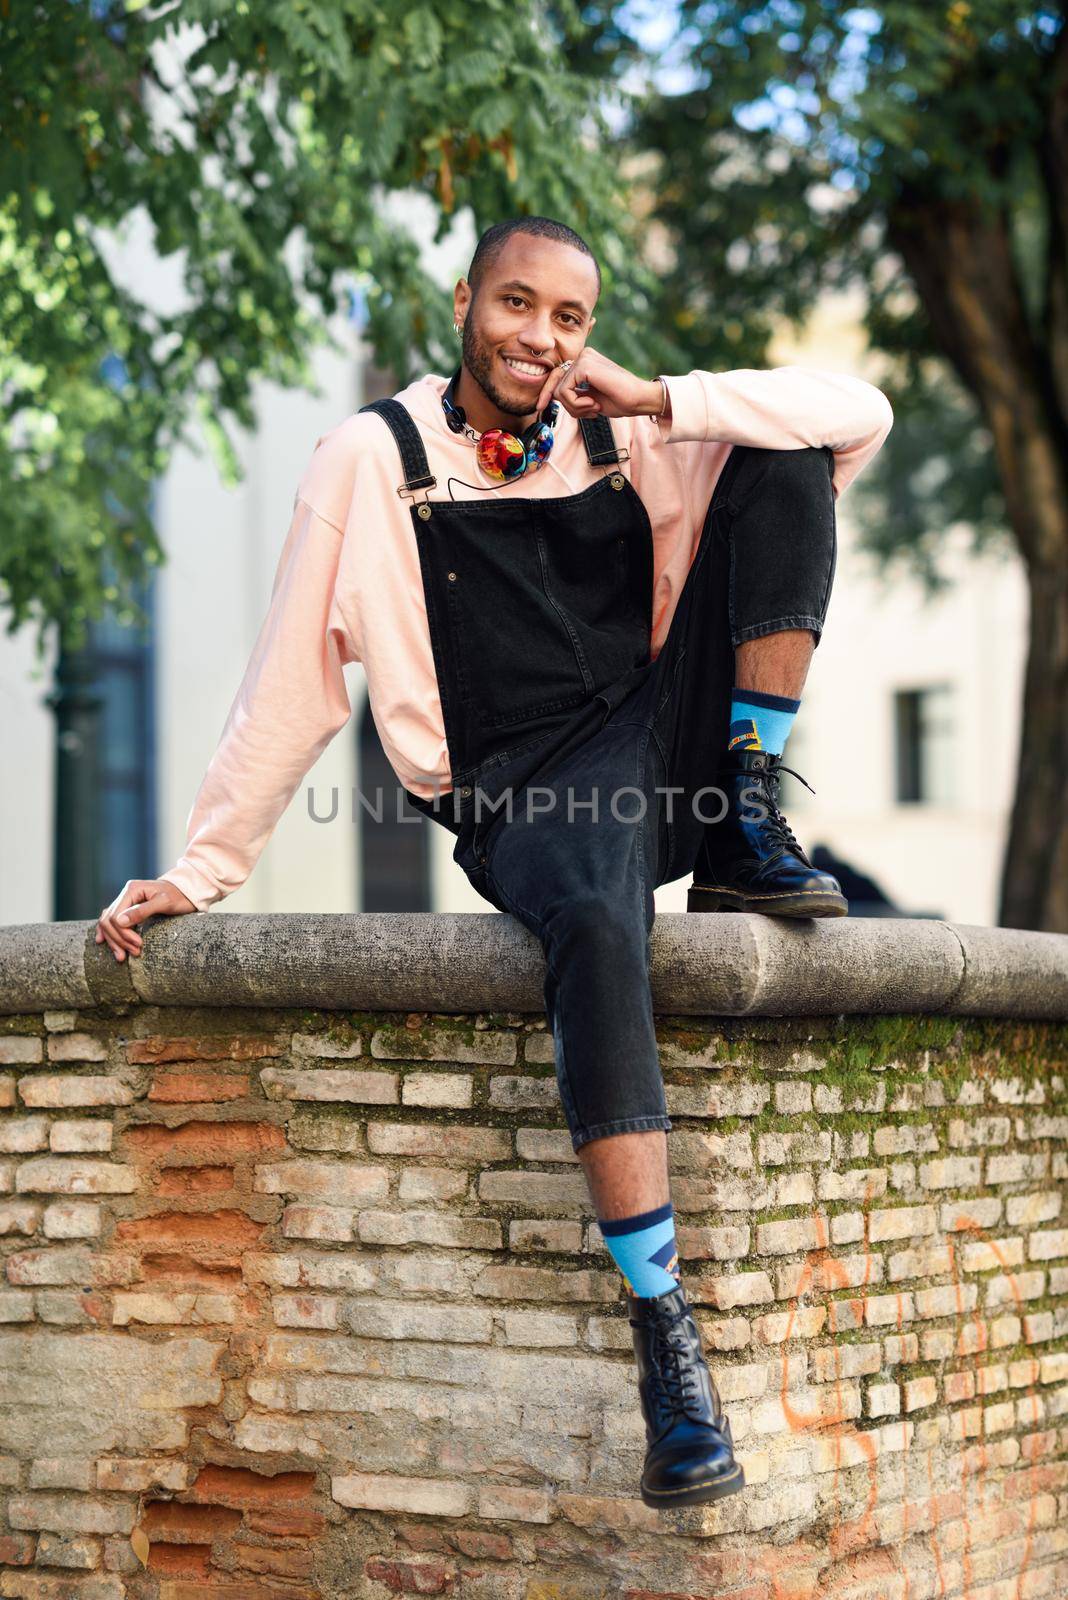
(394, 837)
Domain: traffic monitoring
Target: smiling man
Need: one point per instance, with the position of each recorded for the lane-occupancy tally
(502, 381)
(586, 602)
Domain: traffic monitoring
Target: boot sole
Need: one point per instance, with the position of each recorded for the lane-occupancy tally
(803, 903)
(696, 1493)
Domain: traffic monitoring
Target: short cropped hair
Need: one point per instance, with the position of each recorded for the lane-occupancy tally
(492, 242)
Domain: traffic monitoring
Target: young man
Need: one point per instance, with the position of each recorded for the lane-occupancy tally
(585, 642)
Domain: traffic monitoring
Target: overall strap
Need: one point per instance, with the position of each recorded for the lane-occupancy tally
(600, 441)
(416, 467)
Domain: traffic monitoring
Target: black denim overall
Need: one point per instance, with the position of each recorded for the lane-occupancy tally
(539, 613)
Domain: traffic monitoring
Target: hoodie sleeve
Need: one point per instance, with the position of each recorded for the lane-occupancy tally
(783, 408)
(290, 704)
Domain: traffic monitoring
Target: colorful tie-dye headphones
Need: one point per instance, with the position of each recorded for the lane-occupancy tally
(503, 455)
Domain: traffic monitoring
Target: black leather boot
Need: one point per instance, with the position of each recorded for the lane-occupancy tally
(749, 862)
(690, 1455)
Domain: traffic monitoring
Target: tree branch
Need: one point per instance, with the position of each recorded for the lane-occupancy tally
(960, 256)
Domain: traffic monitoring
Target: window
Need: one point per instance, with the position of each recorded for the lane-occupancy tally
(125, 663)
(923, 745)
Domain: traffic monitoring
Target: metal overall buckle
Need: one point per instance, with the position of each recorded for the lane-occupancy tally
(615, 477)
(409, 493)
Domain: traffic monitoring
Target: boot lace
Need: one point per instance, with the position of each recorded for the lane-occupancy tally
(776, 824)
(671, 1374)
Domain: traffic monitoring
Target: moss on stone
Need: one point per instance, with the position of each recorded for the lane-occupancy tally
(783, 1214)
(688, 1036)
(33, 1024)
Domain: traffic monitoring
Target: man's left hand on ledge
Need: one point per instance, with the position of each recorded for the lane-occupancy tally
(139, 899)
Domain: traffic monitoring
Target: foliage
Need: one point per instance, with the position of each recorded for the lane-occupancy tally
(260, 144)
(806, 127)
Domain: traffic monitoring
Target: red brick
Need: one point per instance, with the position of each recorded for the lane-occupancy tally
(237, 1486)
(180, 1590)
(286, 1524)
(412, 1577)
(71, 1089)
(52, 1266)
(725, 1568)
(482, 1546)
(16, 1549)
(191, 1228)
(220, 1047)
(420, 1535)
(282, 1563)
(659, 1594)
(177, 1270)
(94, 1308)
(1035, 1445)
(181, 1524)
(850, 1536)
(38, 1586)
(1035, 1480)
(155, 1141)
(752, 1591)
(796, 1585)
(194, 1180)
(180, 1560)
(195, 1088)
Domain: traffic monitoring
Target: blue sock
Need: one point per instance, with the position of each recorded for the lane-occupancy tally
(643, 1248)
(760, 721)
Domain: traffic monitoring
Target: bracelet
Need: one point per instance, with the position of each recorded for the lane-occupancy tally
(663, 406)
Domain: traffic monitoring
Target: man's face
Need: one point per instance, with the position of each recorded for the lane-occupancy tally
(534, 307)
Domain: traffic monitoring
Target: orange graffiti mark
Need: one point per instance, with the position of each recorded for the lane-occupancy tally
(825, 1273)
(967, 1224)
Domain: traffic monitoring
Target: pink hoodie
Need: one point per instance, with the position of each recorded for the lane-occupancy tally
(348, 586)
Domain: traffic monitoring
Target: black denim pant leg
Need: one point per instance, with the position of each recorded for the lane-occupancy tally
(779, 523)
(765, 562)
(575, 863)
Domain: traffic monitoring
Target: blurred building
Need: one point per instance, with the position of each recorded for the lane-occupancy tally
(909, 725)
(907, 732)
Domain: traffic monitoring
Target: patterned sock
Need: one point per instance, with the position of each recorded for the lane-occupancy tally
(760, 721)
(643, 1248)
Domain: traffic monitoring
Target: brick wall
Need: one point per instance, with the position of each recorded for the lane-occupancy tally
(305, 1305)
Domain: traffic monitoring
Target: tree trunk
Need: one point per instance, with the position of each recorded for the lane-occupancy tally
(1034, 882)
(960, 259)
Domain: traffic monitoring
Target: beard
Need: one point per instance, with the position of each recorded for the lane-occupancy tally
(479, 359)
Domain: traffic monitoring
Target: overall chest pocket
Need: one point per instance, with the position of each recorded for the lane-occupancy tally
(546, 609)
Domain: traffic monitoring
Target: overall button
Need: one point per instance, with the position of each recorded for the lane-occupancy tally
(465, 790)
(423, 510)
(452, 577)
(616, 480)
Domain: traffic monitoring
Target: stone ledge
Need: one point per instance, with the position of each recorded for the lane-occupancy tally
(713, 965)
